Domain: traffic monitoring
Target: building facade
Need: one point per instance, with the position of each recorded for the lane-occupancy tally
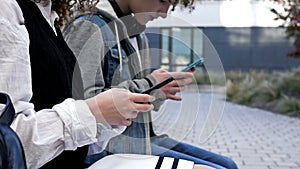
(243, 34)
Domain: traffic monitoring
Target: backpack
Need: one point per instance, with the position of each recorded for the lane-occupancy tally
(11, 150)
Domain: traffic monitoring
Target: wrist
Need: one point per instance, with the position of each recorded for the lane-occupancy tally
(150, 80)
(96, 111)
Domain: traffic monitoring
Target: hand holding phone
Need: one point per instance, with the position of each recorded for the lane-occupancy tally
(158, 85)
(170, 79)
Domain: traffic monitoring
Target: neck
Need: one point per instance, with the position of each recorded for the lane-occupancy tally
(123, 5)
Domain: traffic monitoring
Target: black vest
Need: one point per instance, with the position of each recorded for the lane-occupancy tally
(55, 74)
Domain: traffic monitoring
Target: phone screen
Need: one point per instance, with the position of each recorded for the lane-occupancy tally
(190, 66)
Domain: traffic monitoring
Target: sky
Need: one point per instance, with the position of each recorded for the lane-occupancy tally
(225, 13)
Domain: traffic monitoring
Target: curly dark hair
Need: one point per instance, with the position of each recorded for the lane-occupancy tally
(63, 8)
(185, 3)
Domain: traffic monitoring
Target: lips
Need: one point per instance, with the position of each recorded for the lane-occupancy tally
(151, 18)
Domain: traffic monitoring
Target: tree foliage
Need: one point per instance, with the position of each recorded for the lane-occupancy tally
(291, 18)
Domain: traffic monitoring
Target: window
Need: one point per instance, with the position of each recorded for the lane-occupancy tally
(180, 47)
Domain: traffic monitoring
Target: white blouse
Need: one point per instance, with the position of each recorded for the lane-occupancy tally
(46, 133)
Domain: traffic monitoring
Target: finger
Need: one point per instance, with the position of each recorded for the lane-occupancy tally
(174, 89)
(161, 70)
(193, 69)
(126, 122)
(178, 75)
(143, 107)
(141, 98)
(173, 97)
(183, 81)
(172, 84)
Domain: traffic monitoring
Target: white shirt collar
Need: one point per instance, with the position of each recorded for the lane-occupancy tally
(49, 15)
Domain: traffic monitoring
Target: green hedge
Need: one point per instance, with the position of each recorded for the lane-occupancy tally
(275, 91)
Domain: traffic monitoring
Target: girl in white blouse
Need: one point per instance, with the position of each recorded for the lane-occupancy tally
(71, 123)
(68, 124)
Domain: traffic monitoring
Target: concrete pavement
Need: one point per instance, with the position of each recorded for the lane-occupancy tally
(253, 138)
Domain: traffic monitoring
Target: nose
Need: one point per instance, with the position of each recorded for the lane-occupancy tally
(163, 12)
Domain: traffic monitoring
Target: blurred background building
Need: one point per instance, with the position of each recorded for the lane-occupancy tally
(243, 33)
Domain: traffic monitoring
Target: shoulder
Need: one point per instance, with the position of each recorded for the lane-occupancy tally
(89, 19)
(11, 12)
(105, 6)
(99, 21)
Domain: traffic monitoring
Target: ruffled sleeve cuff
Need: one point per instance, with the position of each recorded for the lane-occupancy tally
(104, 133)
(79, 123)
(80, 127)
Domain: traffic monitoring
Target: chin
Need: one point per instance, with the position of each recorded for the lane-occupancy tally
(143, 22)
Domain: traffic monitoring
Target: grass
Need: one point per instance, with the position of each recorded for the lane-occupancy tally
(276, 91)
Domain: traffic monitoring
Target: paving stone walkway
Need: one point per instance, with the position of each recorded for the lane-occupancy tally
(253, 138)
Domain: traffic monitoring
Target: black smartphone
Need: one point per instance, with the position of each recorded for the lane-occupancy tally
(158, 85)
(170, 79)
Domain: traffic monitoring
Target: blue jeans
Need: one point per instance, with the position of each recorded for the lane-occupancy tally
(165, 146)
(168, 147)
